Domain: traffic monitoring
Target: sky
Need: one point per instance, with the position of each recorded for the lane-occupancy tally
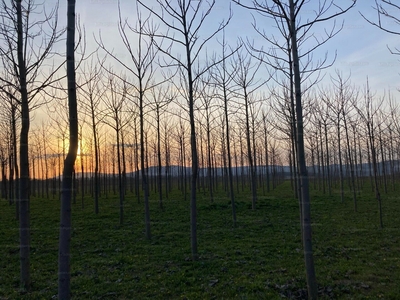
(361, 48)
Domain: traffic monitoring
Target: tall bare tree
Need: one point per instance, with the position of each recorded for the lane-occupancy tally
(222, 77)
(295, 30)
(345, 94)
(23, 56)
(91, 92)
(368, 110)
(64, 289)
(183, 20)
(247, 84)
(116, 118)
(161, 98)
(142, 56)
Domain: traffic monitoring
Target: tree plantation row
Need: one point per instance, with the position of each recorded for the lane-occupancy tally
(342, 133)
(246, 116)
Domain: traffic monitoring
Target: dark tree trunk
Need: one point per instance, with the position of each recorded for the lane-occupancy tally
(64, 290)
(142, 162)
(15, 161)
(351, 163)
(228, 149)
(96, 166)
(159, 162)
(24, 214)
(253, 178)
(305, 196)
(340, 159)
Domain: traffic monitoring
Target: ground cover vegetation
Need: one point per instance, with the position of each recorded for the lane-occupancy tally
(260, 258)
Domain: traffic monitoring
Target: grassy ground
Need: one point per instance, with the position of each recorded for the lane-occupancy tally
(259, 259)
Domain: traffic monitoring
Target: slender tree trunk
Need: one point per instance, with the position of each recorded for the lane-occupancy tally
(250, 153)
(11, 189)
(82, 173)
(166, 160)
(193, 145)
(266, 160)
(391, 159)
(67, 181)
(145, 183)
(120, 185)
(209, 174)
(305, 196)
(241, 162)
(137, 177)
(383, 163)
(353, 183)
(159, 164)
(322, 159)
(15, 161)
(228, 149)
(340, 160)
(96, 167)
(327, 156)
(293, 130)
(24, 214)
(3, 178)
(375, 171)
(370, 164)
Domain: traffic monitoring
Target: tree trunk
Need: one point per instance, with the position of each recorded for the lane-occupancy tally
(96, 166)
(209, 174)
(15, 161)
(353, 183)
(67, 180)
(305, 197)
(159, 164)
(250, 153)
(142, 164)
(228, 149)
(24, 215)
(340, 160)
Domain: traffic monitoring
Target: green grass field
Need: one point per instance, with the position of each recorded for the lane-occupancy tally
(259, 259)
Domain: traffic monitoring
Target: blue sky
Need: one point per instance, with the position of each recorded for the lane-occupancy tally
(361, 48)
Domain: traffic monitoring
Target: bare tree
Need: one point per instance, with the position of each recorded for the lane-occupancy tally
(161, 98)
(368, 110)
(295, 31)
(91, 92)
(142, 57)
(222, 77)
(207, 110)
(64, 289)
(247, 84)
(283, 106)
(23, 57)
(324, 119)
(344, 97)
(183, 20)
(116, 118)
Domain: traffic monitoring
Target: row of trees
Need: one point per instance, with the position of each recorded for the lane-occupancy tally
(337, 136)
(167, 93)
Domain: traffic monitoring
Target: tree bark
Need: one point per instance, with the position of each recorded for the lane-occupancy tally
(24, 214)
(64, 289)
(305, 196)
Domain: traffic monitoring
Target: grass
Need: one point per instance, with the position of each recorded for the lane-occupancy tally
(259, 259)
